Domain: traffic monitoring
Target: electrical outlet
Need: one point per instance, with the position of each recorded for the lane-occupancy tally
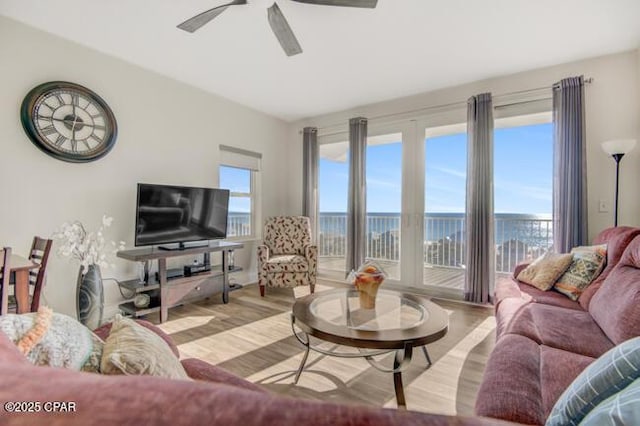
(603, 206)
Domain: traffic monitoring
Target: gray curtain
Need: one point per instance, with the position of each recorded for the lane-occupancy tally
(479, 241)
(310, 155)
(357, 202)
(569, 166)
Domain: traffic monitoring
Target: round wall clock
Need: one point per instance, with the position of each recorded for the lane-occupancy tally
(68, 121)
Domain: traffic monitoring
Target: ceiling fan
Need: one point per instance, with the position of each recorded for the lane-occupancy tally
(279, 24)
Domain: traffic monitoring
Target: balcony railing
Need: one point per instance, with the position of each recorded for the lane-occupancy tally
(238, 224)
(518, 238)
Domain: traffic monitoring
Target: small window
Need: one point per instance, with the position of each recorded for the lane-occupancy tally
(239, 182)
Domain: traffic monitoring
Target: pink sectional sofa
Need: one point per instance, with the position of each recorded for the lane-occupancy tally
(215, 397)
(544, 339)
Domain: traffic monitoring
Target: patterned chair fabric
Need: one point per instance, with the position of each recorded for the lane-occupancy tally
(286, 258)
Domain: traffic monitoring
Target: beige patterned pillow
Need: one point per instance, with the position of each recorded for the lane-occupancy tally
(132, 349)
(65, 344)
(545, 270)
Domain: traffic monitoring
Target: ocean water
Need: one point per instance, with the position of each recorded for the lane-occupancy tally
(533, 230)
(517, 236)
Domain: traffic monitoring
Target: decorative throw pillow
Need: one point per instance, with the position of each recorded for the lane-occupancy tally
(133, 350)
(622, 408)
(588, 262)
(65, 343)
(545, 270)
(606, 376)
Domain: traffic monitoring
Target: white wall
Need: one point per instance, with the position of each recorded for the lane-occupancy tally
(168, 133)
(612, 111)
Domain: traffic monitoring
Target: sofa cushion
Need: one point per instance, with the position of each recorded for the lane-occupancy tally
(545, 270)
(142, 400)
(623, 408)
(509, 287)
(617, 240)
(608, 375)
(202, 370)
(551, 297)
(287, 263)
(506, 311)
(558, 369)
(512, 296)
(522, 379)
(567, 329)
(616, 306)
(133, 349)
(510, 388)
(506, 287)
(587, 263)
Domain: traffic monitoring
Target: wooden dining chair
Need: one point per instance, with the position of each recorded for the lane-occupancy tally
(5, 273)
(39, 254)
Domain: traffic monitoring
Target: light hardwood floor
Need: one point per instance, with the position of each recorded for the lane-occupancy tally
(251, 337)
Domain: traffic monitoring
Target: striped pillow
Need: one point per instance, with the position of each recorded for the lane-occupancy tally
(622, 408)
(608, 375)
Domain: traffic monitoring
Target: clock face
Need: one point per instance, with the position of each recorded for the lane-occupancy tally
(68, 121)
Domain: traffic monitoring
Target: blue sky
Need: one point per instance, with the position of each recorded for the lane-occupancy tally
(522, 174)
(236, 180)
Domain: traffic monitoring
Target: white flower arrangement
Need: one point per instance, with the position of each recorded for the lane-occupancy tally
(90, 248)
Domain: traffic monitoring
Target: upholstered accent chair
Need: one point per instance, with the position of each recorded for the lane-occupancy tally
(286, 258)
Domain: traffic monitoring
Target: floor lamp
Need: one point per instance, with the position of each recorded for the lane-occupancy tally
(617, 149)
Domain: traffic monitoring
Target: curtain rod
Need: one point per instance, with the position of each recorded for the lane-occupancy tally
(452, 104)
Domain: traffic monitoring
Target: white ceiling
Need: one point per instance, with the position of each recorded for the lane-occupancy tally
(351, 56)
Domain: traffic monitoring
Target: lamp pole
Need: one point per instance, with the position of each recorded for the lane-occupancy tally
(617, 148)
(617, 158)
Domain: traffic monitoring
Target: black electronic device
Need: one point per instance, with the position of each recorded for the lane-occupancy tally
(168, 214)
(172, 274)
(196, 268)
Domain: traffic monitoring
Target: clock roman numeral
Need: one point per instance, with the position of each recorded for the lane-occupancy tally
(60, 140)
(75, 99)
(46, 102)
(74, 145)
(84, 141)
(48, 118)
(95, 139)
(49, 130)
(59, 99)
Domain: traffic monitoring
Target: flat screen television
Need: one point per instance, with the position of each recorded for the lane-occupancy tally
(168, 214)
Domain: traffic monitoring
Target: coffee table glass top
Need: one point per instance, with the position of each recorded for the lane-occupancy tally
(392, 311)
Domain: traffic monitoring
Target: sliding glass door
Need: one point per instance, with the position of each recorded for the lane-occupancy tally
(445, 174)
(523, 192)
(416, 196)
(523, 157)
(384, 201)
(333, 189)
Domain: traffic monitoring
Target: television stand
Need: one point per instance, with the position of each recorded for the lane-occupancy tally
(183, 246)
(175, 291)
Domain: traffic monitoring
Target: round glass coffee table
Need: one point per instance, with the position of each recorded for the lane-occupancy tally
(399, 322)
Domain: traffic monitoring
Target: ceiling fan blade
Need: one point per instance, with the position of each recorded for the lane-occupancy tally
(346, 3)
(195, 23)
(283, 32)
